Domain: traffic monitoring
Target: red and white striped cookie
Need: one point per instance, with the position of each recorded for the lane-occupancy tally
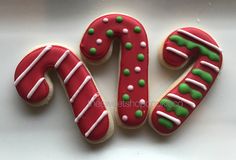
(189, 90)
(133, 77)
(36, 88)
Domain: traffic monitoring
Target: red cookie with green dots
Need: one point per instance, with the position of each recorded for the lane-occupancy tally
(133, 76)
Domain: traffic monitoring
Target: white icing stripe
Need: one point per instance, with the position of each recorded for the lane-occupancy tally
(173, 119)
(199, 39)
(72, 72)
(212, 66)
(79, 89)
(196, 83)
(23, 74)
(182, 99)
(34, 88)
(179, 53)
(100, 118)
(86, 107)
(61, 59)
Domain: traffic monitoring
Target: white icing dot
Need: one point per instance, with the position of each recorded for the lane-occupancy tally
(143, 44)
(142, 102)
(125, 30)
(130, 87)
(105, 20)
(99, 41)
(137, 69)
(124, 117)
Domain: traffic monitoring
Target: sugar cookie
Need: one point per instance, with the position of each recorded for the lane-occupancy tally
(189, 90)
(133, 75)
(35, 88)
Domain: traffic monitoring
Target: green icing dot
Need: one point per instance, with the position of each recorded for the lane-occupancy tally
(138, 113)
(128, 45)
(91, 31)
(141, 82)
(180, 41)
(184, 89)
(126, 72)
(125, 97)
(171, 106)
(137, 29)
(165, 122)
(140, 57)
(110, 33)
(119, 19)
(203, 75)
(92, 51)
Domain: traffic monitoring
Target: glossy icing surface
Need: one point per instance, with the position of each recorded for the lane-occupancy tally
(178, 48)
(133, 76)
(88, 107)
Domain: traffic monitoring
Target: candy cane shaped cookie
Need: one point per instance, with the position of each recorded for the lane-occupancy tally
(133, 79)
(35, 88)
(133, 72)
(190, 89)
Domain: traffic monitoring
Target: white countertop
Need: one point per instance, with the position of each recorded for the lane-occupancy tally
(49, 132)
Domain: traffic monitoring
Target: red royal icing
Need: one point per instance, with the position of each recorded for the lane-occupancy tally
(174, 60)
(32, 86)
(99, 35)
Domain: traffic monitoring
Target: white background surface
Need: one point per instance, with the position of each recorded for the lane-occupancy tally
(49, 132)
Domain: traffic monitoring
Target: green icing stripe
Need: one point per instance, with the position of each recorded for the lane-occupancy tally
(203, 74)
(171, 106)
(180, 41)
(184, 89)
(165, 122)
